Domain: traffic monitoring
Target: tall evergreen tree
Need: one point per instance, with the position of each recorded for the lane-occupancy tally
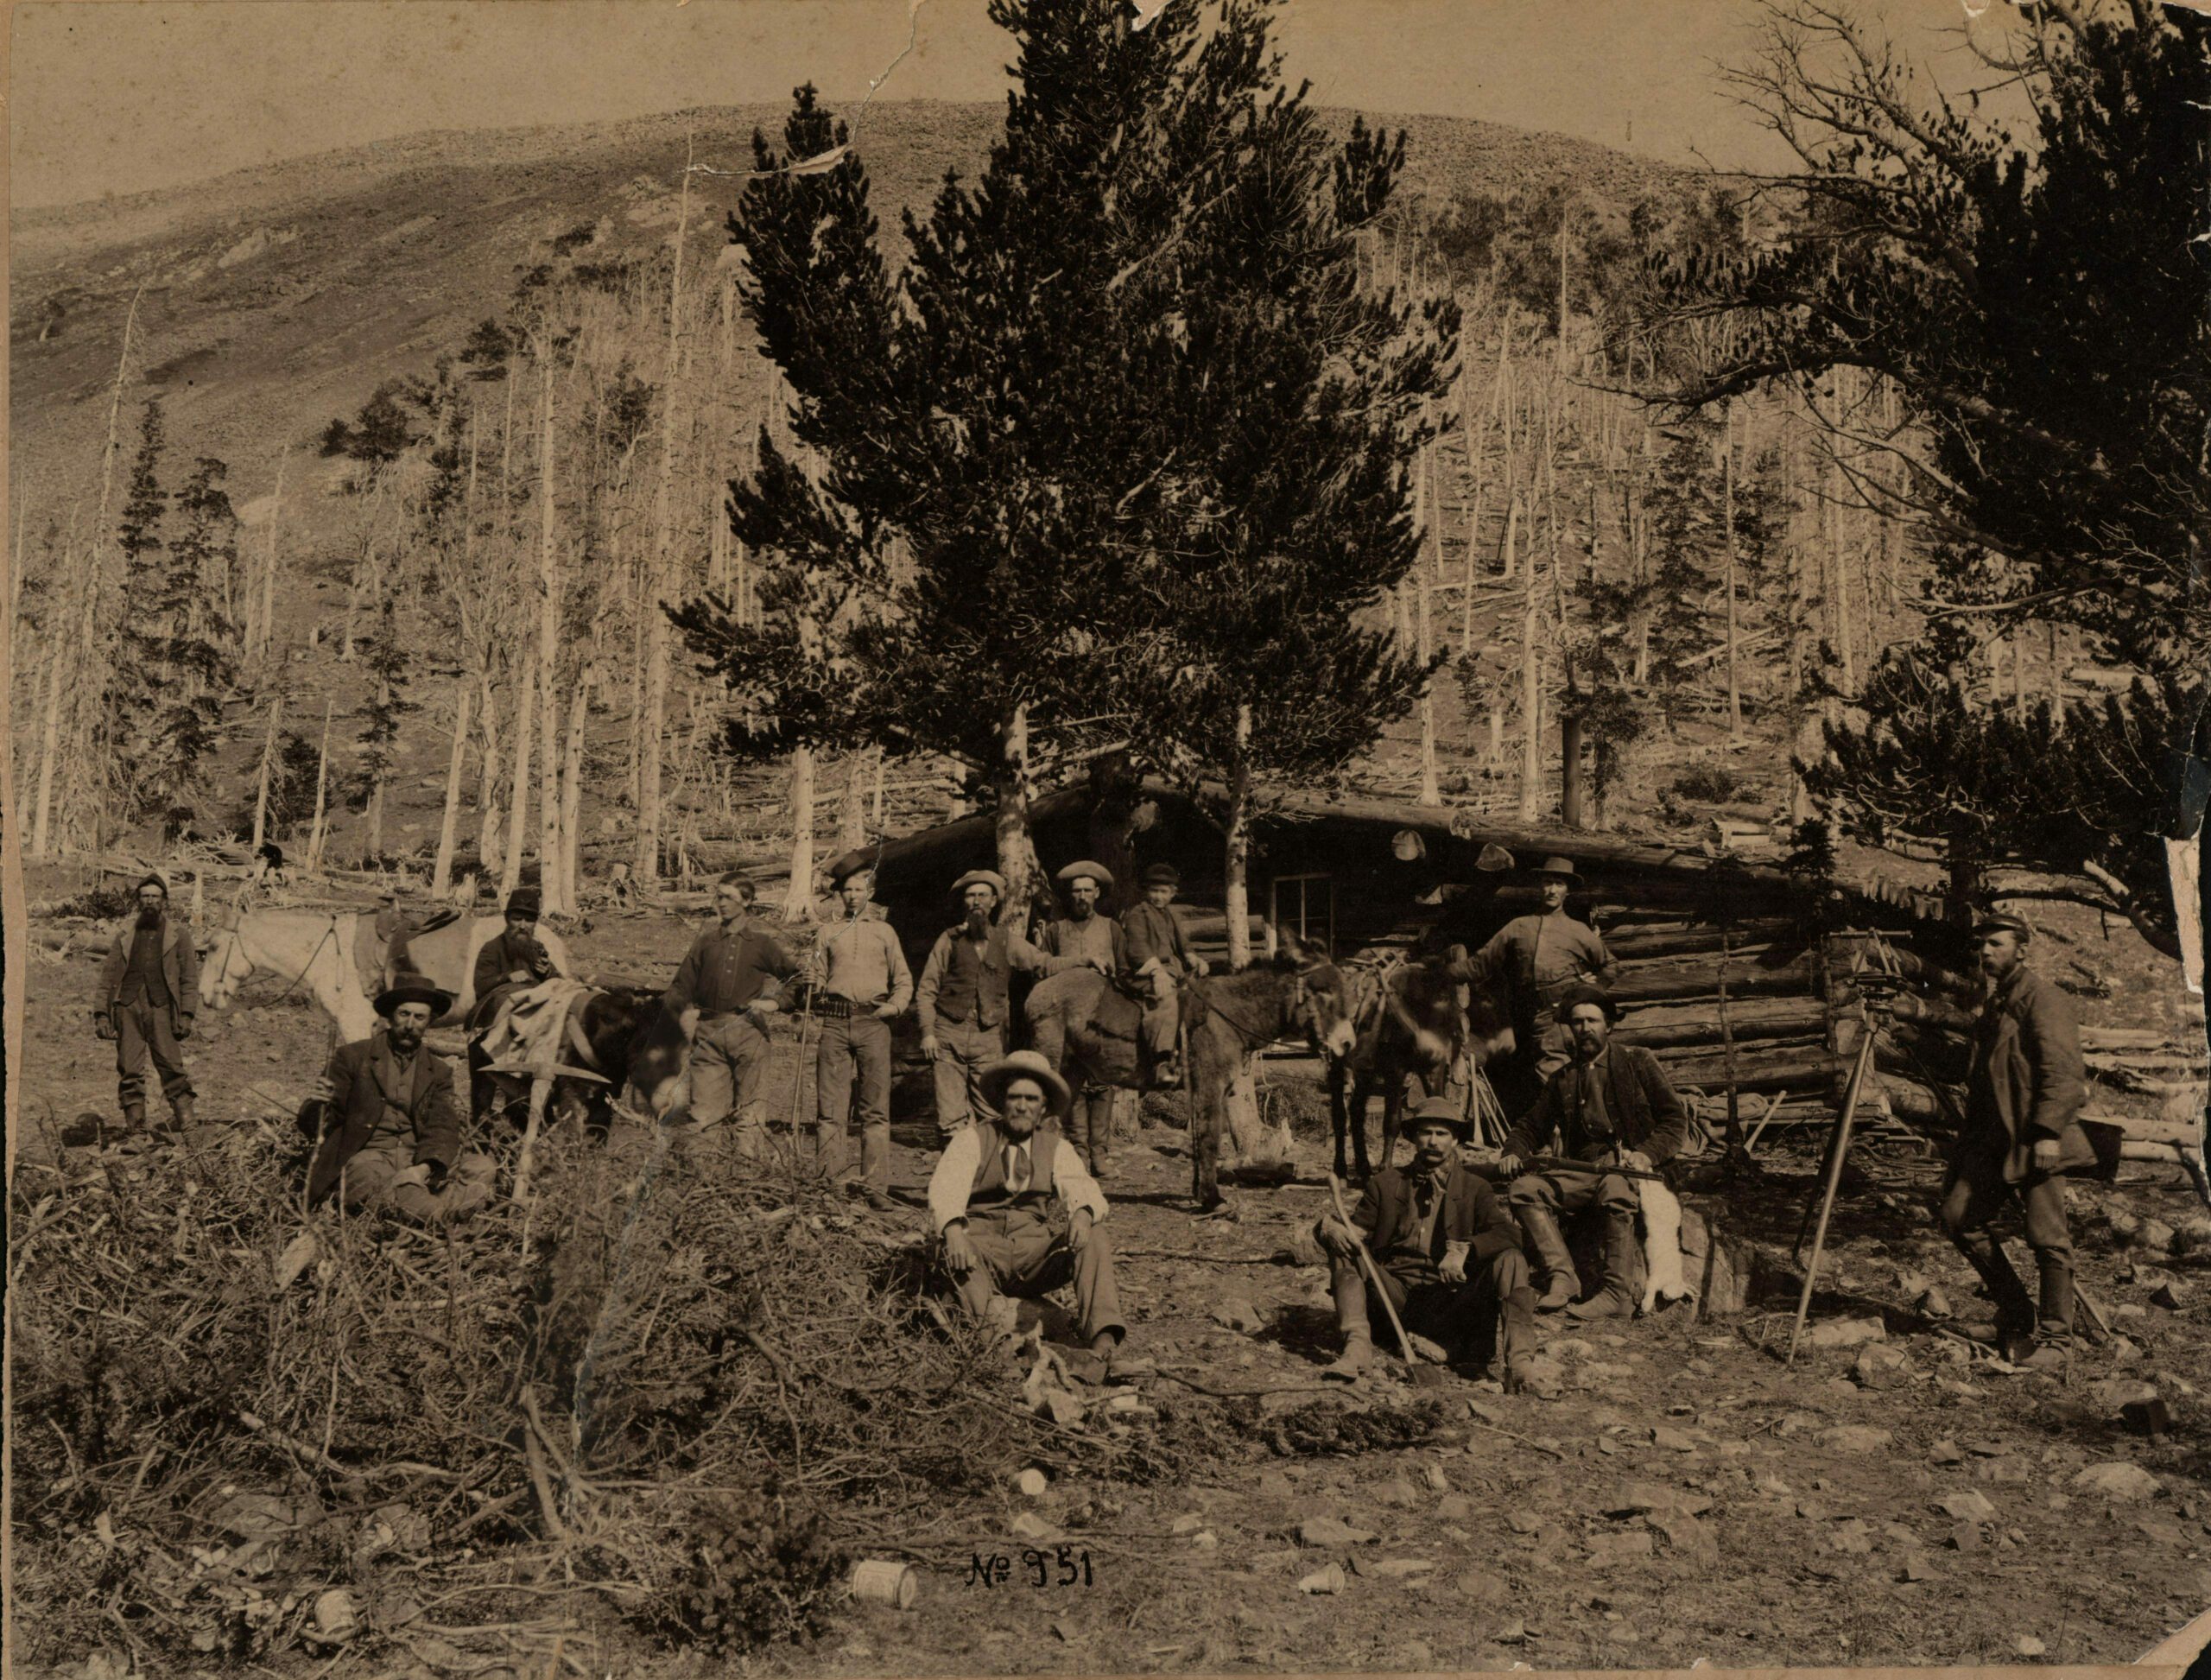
(385, 657)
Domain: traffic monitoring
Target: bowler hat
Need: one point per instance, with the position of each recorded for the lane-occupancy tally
(1163, 875)
(1439, 1111)
(1578, 995)
(1494, 859)
(1086, 870)
(2003, 922)
(988, 877)
(1024, 1064)
(1561, 867)
(413, 989)
(855, 862)
(524, 901)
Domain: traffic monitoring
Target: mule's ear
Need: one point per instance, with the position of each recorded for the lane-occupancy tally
(1288, 944)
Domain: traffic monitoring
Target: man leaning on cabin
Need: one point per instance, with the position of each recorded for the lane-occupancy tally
(148, 989)
(388, 1122)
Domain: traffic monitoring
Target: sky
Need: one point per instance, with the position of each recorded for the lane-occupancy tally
(129, 96)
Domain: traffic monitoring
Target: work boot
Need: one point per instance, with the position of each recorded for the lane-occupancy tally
(133, 1116)
(1351, 1365)
(1561, 1282)
(1614, 1299)
(181, 1112)
(2049, 1357)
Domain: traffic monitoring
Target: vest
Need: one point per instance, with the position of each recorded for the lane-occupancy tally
(988, 1193)
(974, 985)
(143, 978)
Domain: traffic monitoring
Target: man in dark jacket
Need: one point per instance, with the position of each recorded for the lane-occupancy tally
(511, 958)
(148, 991)
(1612, 1107)
(1153, 947)
(387, 1121)
(1445, 1250)
(2022, 1130)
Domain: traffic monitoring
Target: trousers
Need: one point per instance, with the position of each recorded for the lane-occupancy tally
(964, 1049)
(1465, 1318)
(728, 1058)
(1023, 1256)
(1090, 1125)
(1975, 1192)
(1566, 1191)
(854, 1050)
(143, 1033)
(371, 1183)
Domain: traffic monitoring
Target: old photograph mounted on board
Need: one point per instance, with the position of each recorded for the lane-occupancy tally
(924, 836)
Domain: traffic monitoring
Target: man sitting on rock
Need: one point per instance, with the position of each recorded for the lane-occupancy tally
(1019, 1213)
(1611, 1107)
(1442, 1246)
(388, 1122)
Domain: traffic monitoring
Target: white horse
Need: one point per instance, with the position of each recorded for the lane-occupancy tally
(316, 949)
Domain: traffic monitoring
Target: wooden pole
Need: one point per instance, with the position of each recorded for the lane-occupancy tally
(1835, 1182)
(441, 872)
(321, 789)
(646, 865)
(1373, 1276)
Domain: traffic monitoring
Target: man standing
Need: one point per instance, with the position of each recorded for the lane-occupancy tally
(1538, 958)
(1612, 1109)
(724, 977)
(1444, 1248)
(962, 997)
(1085, 936)
(1017, 1214)
(861, 982)
(1155, 952)
(149, 990)
(2022, 1130)
(388, 1127)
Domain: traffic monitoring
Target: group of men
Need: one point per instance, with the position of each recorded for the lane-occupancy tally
(1014, 1198)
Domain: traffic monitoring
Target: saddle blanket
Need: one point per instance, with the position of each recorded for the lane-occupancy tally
(531, 1022)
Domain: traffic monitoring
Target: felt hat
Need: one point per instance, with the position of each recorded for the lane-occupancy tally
(855, 862)
(413, 989)
(2003, 922)
(1086, 870)
(1434, 1110)
(1576, 995)
(1494, 859)
(524, 901)
(1561, 867)
(153, 881)
(988, 877)
(1163, 875)
(1024, 1064)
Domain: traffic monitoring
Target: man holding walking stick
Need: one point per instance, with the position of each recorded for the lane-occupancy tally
(1434, 1247)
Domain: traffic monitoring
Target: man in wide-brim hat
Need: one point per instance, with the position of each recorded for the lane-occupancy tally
(1537, 957)
(1444, 1248)
(149, 989)
(1086, 934)
(963, 995)
(1612, 1107)
(387, 1120)
(1155, 952)
(1018, 1212)
(2022, 1132)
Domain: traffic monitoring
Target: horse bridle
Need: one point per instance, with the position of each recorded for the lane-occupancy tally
(1299, 992)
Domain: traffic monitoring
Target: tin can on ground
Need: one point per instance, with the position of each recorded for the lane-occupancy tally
(881, 1582)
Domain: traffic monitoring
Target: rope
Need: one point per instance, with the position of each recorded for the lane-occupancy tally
(328, 934)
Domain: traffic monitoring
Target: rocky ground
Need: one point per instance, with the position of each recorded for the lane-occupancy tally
(1896, 1496)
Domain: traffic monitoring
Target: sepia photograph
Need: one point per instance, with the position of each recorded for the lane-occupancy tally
(974, 837)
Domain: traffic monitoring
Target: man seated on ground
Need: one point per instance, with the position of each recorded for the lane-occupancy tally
(1612, 1107)
(389, 1125)
(1019, 1213)
(1445, 1248)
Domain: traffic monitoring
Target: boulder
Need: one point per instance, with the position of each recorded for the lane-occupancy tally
(1967, 1507)
(1330, 1532)
(1844, 1333)
(1612, 1550)
(1691, 1538)
(1235, 1312)
(1855, 1438)
(1638, 1498)
(2122, 1481)
(1880, 1365)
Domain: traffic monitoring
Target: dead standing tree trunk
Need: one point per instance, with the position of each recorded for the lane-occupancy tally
(441, 872)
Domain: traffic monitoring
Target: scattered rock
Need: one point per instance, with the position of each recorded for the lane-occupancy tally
(2114, 1394)
(1396, 1569)
(1846, 1333)
(1513, 1632)
(1206, 1540)
(1916, 1568)
(1965, 1536)
(1688, 1536)
(2172, 1295)
(1330, 1532)
(1773, 1486)
(1796, 1422)
(1189, 1524)
(1672, 1441)
(1274, 1484)
(1853, 1537)
(1967, 1507)
(1544, 1378)
(2122, 1481)
(1855, 1438)
(1027, 1525)
(1880, 1366)
(1454, 1508)
(2000, 1472)
(2031, 1646)
(2154, 1235)
(1436, 1479)
(1489, 1413)
(1328, 1580)
(1946, 1452)
(1236, 1312)
(1608, 1551)
(1522, 1522)
(1030, 1483)
(1934, 1306)
(336, 1618)
(1638, 1499)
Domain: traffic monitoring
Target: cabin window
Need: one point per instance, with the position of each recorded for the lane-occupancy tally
(1306, 906)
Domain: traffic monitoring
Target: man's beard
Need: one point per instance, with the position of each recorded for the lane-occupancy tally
(405, 1041)
(978, 922)
(1082, 912)
(149, 917)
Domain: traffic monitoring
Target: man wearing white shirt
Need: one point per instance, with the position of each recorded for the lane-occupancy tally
(1018, 1212)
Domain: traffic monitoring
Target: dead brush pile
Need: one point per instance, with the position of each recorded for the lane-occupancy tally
(670, 1391)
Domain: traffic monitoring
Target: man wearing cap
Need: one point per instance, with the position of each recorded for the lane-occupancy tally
(861, 981)
(1085, 936)
(726, 976)
(2022, 1130)
(511, 958)
(1613, 1107)
(1539, 957)
(1153, 951)
(1445, 1248)
(962, 997)
(386, 1121)
(149, 990)
(1018, 1215)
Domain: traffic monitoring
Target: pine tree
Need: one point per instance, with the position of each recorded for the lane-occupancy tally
(127, 729)
(385, 657)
